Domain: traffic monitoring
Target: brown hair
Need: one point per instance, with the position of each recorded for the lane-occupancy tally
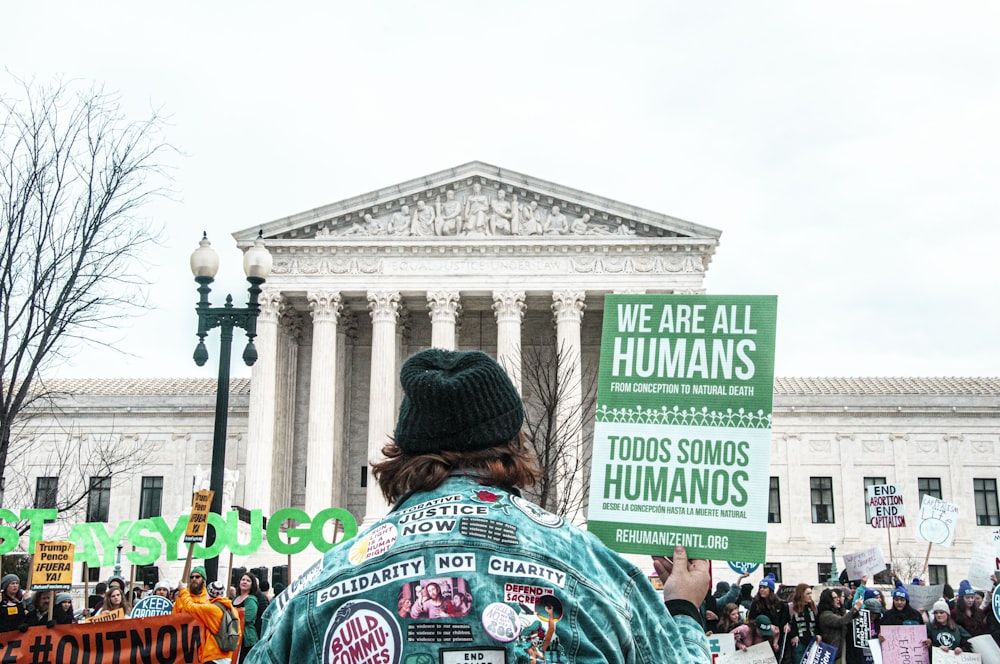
(512, 464)
(802, 597)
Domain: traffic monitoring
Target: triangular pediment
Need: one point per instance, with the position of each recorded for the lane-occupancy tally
(476, 200)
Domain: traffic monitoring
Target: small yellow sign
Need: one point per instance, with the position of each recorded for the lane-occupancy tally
(53, 566)
(198, 523)
(117, 614)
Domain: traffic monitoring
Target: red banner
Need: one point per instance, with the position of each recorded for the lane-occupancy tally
(163, 639)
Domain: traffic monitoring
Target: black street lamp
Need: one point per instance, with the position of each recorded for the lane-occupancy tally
(205, 265)
(834, 579)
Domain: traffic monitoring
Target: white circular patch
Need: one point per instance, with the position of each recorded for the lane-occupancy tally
(536, 513)
(363, 632)
(500, 621)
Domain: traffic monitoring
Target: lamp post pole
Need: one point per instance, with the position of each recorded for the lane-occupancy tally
(205, 265)
(833, 580)
(118, 561)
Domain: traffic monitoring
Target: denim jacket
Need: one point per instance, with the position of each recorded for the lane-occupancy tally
(469, 573)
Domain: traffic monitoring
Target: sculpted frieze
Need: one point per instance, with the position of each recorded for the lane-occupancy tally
(473, 212)
(326, 265)
(640, 265)
(525, 264)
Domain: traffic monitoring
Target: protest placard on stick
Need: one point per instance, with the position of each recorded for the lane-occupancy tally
(864, 563)
(682, 434)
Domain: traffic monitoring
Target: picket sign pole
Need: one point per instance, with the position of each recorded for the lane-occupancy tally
(52, 603)
(891, 564)
(131, 576)
(927, 559)
(86, 592)
(231, 575)
(187, 565)
(289, 579)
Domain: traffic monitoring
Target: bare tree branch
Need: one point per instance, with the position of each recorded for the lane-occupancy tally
(74, 460)
(74, 176)
(560, 432)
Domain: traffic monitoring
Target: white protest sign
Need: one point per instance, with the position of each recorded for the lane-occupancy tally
(864, 563)
(721, 645)
(937, 521)
(923, 597)
(981, 566)
(875, 646)
(885, 505)
(987, 648)
(758, 654)
(939, 656)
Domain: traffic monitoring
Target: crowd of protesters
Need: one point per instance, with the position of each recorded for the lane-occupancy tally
(790, 624)
(112, 598)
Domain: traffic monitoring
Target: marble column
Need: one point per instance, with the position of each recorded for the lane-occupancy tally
(261, 413)
(508, 306)
(289, 339)
(347, 332)
(444, 308)
(568, 306)
(323, 460)
(384, 308)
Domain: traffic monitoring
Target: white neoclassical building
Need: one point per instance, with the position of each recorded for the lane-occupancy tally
(479, 257)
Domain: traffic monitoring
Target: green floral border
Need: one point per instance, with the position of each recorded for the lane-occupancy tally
(740, 418)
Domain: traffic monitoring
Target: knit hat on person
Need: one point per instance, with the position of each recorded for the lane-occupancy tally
(874, 604)
(965, 588)
(871, 593)
(764, 625)
(940, 605)
(216, 589)
(7, 580)
(457, 401)
(63, 597)
(161, 584)
(198, 569)
(120, 580)
(900, 591)
(767, 582)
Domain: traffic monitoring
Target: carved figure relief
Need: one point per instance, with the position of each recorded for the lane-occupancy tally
(478, 214)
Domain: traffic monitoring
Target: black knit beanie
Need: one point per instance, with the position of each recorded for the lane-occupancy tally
(456, 401)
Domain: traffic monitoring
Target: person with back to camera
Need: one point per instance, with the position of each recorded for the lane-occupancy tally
(458, 457)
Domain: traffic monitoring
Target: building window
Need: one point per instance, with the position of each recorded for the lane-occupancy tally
(151, 498)
(870, 481)
(937, 574)
(99, 499)
(774, 569)
(823, 572)
(93, 574)
(774, 502)
(987, 513)
(46, 492)
(929, 486)
(821, 496)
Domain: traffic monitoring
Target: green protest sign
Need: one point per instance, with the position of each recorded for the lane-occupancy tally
(682, 437)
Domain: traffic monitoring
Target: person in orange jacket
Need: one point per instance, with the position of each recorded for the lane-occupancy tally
(207, 607)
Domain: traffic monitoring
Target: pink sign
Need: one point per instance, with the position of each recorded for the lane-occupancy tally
(904, 644)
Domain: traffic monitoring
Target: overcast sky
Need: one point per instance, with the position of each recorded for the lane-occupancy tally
(848, 151)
